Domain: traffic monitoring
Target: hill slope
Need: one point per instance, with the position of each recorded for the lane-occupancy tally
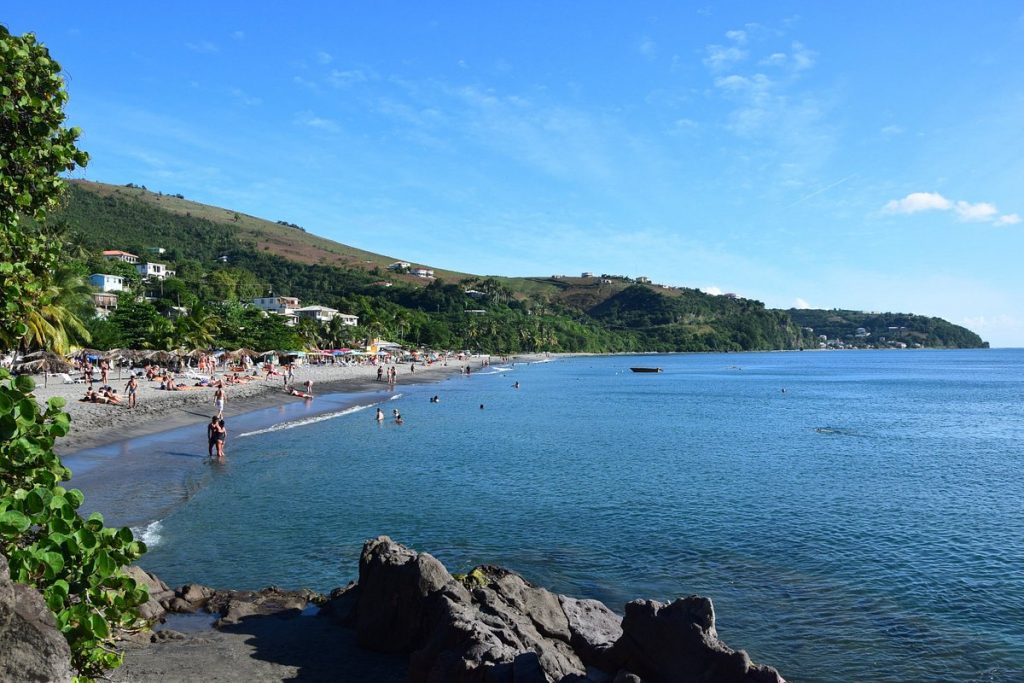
(222, 254)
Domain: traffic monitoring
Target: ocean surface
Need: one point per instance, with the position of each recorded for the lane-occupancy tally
(853, 515)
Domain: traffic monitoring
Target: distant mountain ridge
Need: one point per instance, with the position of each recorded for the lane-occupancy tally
(599, 313)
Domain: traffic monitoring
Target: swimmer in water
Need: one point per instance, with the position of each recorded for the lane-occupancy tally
(516, 385)
(380, 415)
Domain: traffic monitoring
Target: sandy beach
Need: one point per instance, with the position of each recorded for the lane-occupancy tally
(94, 424)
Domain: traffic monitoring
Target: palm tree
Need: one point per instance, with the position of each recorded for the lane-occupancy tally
(53, 319)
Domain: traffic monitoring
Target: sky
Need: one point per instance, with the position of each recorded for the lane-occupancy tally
(863, 155)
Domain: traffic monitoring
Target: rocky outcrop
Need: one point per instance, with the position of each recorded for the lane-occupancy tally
(493, 626)
(31, 647)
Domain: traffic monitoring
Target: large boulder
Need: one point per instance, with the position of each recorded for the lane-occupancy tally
(493, 626)
(31, 647)
(677, 643)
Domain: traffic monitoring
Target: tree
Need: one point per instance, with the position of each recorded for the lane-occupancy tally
(34, 148)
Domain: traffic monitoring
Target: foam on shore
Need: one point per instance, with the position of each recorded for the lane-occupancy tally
(291, 424)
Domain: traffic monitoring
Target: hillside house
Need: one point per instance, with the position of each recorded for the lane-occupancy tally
(154, 270)
(117, 255)
(422, 272)
(643, 279)
(400, 265)
(320, 314)
(282, 305)
(107, 283)
(104, 302)
(587, 273)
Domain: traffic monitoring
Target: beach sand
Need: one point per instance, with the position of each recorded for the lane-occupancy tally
(97, 424)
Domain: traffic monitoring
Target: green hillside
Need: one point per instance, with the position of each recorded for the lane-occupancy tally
(856, 328)
(222, 258)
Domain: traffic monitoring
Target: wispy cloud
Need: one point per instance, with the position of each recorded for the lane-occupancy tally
(648, 48)
(241, 96)
(324, 57)
(311, 120)
(238, 35)
(801, 304)
(892, 130)
(347, 78)
(203, 47)
(967, 212)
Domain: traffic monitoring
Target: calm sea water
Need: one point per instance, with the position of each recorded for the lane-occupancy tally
(853, 515)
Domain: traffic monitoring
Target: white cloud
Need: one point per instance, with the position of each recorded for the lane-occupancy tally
(982, 212)
(324, 57)
(967, 212)
(311, 120)
(712, 290)
(344, 79)
(648, 48)
(202, 47)
(238, 35)
(915, 202)
(720, 58)
(775, 59)
(801, 304)
(245, 99)
(803, 58)
(739, 37)
(892, 130)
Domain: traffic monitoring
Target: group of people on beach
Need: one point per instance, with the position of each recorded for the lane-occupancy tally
(391, 372)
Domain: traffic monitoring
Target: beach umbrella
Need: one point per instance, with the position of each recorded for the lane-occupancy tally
(44, 362)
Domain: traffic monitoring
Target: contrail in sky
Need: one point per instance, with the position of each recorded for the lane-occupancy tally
(824, 189)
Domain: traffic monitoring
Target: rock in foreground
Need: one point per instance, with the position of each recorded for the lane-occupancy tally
(493, 626)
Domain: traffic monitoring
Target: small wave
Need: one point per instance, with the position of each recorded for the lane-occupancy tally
(149, 534)
(309, 420)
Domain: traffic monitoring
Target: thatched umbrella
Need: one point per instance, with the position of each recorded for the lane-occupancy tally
(44, 362)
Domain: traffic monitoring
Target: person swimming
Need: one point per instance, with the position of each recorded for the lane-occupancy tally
(380, 415)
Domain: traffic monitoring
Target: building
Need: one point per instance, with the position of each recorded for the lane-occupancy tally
(587, 273)
(154, 270)
(282, 305)
(422, 272)
(475, 293)
(643, 279)
(116, 255)
(381, 283)
(107, 283)
(104, 303)
(351, 320)
(321, 314)
(400, 265)
(159, 251)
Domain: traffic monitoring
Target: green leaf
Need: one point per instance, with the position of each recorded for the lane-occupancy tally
(12, 521)
(24, 383)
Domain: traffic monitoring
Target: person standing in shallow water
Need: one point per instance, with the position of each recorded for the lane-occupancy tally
(222, 435)
(380, 415)
(211, 436)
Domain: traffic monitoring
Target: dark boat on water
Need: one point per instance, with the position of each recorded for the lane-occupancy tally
(646, 369)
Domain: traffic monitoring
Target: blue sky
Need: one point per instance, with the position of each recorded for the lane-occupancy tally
(861, 155)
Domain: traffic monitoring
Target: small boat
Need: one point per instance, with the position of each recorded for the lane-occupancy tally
(646, 369)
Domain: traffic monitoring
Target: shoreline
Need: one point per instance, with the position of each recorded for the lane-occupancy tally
(98, 425)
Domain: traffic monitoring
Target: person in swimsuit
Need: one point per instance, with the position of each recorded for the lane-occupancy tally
(218, 401)
(380, 415)
(132, 388)
(211, 436)
(222, 435)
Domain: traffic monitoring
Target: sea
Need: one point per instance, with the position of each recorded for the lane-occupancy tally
(853, 515)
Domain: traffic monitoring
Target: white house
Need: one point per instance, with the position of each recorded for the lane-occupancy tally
(400, 265)
(117, 255)
(422, 272)
(351, 320)
(587, 273)
(643, 279)
(107, 283)
(321, 314)
(282, 305)
(156, 270)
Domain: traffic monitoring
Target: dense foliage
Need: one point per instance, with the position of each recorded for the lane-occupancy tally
(75, 562)
(898, 327)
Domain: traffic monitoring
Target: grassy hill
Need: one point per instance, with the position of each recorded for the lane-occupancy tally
(223, 254)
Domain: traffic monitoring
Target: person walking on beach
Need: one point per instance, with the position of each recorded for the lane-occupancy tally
(309, 387)
(132, 388)
(211, 436)
(218, 400)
